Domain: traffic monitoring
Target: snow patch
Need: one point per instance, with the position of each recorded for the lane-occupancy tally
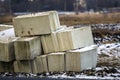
(110, 49)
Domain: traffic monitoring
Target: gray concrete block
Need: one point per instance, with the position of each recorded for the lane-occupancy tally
(7, 53)
(50, 43)
(36, 24)
(66, 39)
(74, 38)
(56, 62)
(27, 66)
(7, 45)
(41, 64)
(27, 48)
(84, 58)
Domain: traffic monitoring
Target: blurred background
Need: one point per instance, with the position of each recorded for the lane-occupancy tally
(9, 8)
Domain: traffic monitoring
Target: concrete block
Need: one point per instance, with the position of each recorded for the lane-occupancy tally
(80, 59)
(27, 48)
(25, 66)
(7, 53)
(7, 45)
(41, 64)
(56, 62)
(74, 38)
(36, 24)
(50, 43)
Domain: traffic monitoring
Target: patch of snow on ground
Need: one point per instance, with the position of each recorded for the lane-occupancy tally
(110, 49)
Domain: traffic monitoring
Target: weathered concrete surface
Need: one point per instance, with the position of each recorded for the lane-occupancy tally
(56, 62)
(84, 58)
(50, 43)
(75, 38)
(27, 66)
(66, 39)
(41, 64)
(36, 24)
(27, 48)
(7, 51)
(7, 45)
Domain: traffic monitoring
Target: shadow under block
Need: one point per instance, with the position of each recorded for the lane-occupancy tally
(50, 43)
(27, 48)
(25, 66)
(41, 64)
(6, 67)
(56, 62)
(75, 38)
(1, 67)
(36, 24)
(84, 58)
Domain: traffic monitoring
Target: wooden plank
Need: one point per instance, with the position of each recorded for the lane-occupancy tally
(80, 59)
(36, 24)
(27, 48)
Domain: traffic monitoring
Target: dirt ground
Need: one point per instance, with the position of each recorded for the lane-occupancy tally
(108, 61)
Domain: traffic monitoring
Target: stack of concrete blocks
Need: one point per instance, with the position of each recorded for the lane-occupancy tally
(7, 56)
(26, 50)
(28, 47)
(70, 39)
(63, 47)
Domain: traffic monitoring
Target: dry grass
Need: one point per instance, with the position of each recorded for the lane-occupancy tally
(82, 18)
(92, 18)
(6, 19)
